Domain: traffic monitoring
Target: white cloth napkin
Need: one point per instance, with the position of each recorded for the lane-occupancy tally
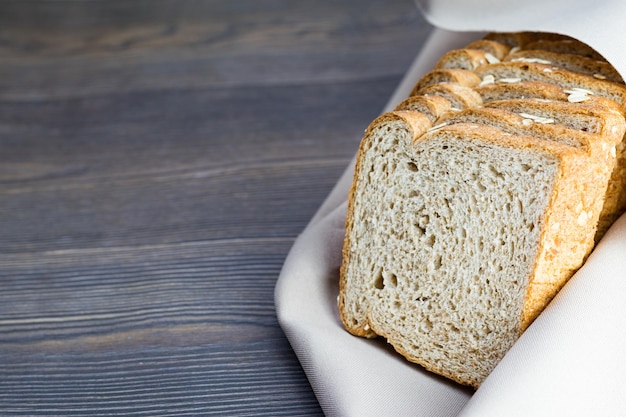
(572, 359)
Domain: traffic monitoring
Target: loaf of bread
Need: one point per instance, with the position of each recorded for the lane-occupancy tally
(479, 196)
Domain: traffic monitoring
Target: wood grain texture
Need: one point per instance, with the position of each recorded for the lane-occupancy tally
(157, 160)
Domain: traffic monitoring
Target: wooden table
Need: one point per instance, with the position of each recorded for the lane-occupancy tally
(157, 161)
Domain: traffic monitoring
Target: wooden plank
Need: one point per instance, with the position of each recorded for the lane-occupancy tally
(177, 329)
(98, 47)
(215, 380)
(182, 178)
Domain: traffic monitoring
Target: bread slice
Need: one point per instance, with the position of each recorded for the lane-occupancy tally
(564, 46)
(532, 71)
(459, 96)
(456, 239)
(579, 116)
(577, 63)
(446, 75)
(587, 117)
(536, 126)
(490, 90)
(498, 50)
(544, 41)
(601, 148)
(468, 59)
(432, 107)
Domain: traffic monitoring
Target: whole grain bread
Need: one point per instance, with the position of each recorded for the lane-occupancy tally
(479, 196)
(467, 240)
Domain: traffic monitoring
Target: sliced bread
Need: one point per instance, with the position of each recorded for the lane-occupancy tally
(454, 239)
(480, 196)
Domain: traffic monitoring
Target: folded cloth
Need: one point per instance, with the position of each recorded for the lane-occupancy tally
(572, 359)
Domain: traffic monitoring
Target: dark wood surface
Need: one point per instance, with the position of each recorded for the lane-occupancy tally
(157, 161)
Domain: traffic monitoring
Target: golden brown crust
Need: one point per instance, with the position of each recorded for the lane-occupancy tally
(460, 96)
(498, 49)
(446, 75)
(467, 59)
(432, 107)
(568, 235)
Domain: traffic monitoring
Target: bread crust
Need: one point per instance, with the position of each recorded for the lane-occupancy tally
(499, 50)
(459, 96)
(467, 59)
(433, 107)
(446, 75)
